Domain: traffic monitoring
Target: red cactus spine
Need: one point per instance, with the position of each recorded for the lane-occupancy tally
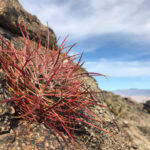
(46, 85)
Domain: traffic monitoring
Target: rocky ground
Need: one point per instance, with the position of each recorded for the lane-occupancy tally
(134, 118)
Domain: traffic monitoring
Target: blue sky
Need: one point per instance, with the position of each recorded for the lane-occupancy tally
(114, 35)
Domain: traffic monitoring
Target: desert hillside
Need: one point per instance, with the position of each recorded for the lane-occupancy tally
(122, 125)
(138, 95)
(134, 117)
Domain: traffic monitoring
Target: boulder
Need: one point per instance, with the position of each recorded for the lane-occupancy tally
(11, 12)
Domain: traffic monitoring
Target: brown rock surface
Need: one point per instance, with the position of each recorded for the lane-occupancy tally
(11, 12)
(17, 134)
(133, 117)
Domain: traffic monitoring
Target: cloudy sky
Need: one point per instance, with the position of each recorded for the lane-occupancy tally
(114, 35)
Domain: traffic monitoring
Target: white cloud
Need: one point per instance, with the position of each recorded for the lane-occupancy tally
(119, 68)
(82, 18)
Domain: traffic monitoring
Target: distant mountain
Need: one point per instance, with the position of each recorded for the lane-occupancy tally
(139, 95)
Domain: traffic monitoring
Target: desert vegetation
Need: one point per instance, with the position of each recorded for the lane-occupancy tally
(46, 85)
